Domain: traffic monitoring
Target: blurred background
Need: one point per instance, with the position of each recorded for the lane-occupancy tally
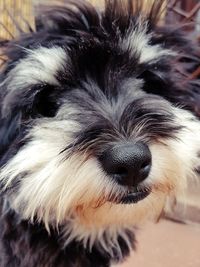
(175, 240)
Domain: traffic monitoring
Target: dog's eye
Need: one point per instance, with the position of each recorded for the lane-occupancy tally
(45, 103)
(154, 81)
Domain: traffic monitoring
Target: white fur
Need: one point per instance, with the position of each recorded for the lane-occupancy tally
(137, 41)
(40, 66)
(105, 237)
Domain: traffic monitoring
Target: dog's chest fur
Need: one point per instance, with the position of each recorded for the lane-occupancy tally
(24, 244)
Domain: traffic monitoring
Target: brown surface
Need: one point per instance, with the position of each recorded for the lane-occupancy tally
(187, 208)
(167, 244)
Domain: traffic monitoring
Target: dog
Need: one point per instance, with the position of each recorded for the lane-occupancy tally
(99, 128)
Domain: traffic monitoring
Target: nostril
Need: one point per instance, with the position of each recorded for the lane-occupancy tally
(120, 175)
(145, 164)
(145, 169)
(121, 171)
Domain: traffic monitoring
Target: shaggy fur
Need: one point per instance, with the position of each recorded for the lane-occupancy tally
(82, 82)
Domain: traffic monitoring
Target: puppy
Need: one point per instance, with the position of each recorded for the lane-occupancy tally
(98, 130)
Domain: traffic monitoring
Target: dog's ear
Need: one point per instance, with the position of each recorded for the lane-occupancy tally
(10, 123)
(188, 60)
(9, 130)
(174, 78)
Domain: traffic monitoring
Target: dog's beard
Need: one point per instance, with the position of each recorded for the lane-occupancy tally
(61, 188)
(74, 194)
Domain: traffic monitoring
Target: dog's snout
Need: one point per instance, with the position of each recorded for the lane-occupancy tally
(129, 164)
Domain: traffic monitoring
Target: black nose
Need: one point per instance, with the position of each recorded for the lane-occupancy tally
(129, 164)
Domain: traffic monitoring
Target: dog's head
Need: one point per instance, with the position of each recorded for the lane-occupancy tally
(93, 125)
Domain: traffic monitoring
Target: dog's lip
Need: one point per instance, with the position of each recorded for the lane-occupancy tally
(134, 196)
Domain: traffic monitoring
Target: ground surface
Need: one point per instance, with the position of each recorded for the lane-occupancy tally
(167, 244)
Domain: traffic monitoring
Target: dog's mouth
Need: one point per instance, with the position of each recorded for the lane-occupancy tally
(133, 196)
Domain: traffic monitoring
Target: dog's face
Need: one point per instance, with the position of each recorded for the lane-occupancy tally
(89, 131)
